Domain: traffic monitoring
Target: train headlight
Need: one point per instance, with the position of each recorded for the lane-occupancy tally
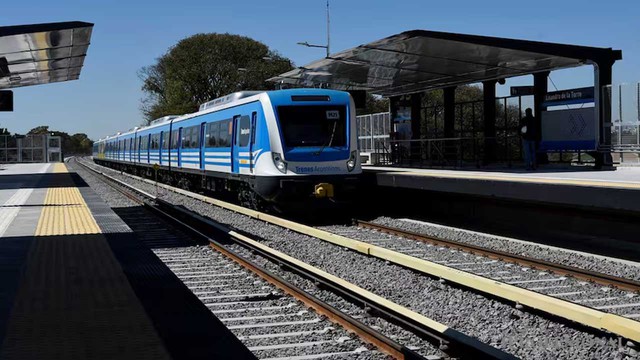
(351, 163)
(279, 163)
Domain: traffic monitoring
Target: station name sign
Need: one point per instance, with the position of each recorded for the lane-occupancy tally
(522, 90)
(571, 96)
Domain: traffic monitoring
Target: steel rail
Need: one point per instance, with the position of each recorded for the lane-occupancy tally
(578, 273)
(198, 225)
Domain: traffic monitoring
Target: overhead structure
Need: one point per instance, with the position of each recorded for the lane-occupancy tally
(419, 60)
(404, 66)
(42, 53)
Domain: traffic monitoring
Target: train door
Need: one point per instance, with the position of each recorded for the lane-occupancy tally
(148, 148)
(252, 137)
(234, 147)
(160, 140)
(179, 150)
(138, 150)
(240, 155)
(202, 144)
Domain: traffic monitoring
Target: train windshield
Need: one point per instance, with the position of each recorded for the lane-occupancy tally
(311, 126)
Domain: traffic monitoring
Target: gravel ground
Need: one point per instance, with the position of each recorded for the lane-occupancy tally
(566, 288)
(523, 334)
(112, 197)
(583, 261)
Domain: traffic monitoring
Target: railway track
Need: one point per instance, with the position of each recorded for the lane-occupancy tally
(596, 290)
(273, 317)
(347, 238)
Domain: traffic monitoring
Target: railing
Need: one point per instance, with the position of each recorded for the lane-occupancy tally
(465, 152)
(624, 100)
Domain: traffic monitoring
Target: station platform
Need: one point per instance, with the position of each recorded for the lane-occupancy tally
(578, 187)
(75, 283)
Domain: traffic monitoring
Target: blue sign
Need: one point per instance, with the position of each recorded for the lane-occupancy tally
(568, 130)
(568, 97)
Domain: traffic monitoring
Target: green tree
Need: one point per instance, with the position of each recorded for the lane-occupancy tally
(375, 104)
(206, 66)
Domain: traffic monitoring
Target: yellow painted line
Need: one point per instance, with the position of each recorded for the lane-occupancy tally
(65, 213)
(533, 180)
(59, 168)
(624, 327)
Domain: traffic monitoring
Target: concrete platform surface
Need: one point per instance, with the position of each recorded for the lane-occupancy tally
(616, 190)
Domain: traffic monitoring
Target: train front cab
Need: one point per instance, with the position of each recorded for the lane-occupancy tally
(316, 150)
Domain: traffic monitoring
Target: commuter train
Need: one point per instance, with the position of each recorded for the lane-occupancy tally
(278, 147)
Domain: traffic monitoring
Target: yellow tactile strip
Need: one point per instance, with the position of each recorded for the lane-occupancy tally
(65, 213)
(59, 168)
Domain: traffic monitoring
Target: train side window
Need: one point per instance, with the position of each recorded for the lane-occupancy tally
(195, 137)
(174, 139)
(212, 134)
(244, 131)
(185, 138)
(224, 135)
(165, 142)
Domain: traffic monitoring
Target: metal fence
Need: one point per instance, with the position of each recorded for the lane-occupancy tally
(30, 148)
(374, 141)
(624, 100)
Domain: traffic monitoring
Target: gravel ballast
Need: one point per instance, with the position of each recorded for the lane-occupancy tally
(559, 256)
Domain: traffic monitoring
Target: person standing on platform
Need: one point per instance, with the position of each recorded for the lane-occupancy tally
(529, 137)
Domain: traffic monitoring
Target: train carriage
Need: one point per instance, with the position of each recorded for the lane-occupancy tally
(281, 146)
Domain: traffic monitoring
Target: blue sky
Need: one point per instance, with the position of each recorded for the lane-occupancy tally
(131, 34)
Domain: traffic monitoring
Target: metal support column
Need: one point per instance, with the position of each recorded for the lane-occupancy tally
(393, 135)
(603, 73)
(489, 97)
(603, 78)
(416, 122)
(449, 99)
(540, 89)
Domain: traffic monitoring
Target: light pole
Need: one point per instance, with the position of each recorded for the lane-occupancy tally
(305, 43)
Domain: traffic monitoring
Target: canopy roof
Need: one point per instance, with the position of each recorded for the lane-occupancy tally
(420, 60)
(42, 53)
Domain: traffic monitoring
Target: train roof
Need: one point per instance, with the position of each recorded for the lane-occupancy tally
(228, 101)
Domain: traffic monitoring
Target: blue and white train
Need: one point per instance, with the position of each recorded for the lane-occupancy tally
(282, 146)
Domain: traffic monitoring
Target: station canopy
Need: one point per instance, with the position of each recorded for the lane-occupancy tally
(420, 60)
(42, 53)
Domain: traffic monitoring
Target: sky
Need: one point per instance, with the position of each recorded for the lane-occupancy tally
(131, 34)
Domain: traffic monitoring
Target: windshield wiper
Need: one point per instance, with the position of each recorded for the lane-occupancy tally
(333, 132)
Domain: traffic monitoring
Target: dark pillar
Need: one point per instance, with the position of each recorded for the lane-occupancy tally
(416, 116)
(416, 122)
(489, 91)
(449, 111)
(603, 77)
(393, 113)
(449, 98)
(540, 88)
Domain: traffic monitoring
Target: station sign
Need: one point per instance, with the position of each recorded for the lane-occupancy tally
(6, 100)
(522, 90)
(571, 96)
